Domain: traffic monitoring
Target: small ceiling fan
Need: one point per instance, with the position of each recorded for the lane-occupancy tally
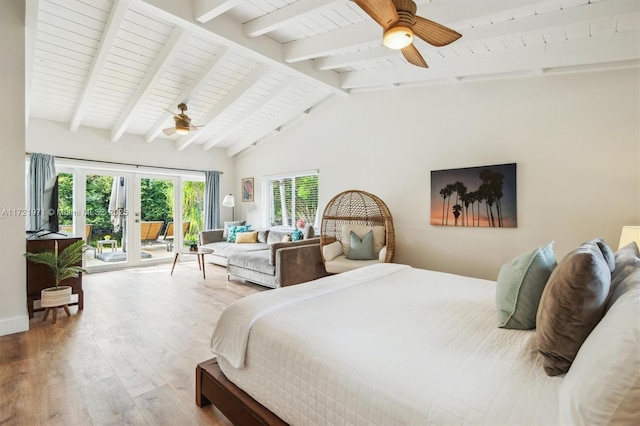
(183, 122)
(400, 23)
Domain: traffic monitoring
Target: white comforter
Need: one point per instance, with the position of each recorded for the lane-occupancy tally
(386, 344)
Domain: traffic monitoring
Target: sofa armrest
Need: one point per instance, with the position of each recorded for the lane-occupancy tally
(298, 264)
(210, 236)
(277, 246)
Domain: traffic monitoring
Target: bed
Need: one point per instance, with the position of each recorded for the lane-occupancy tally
(385, 344)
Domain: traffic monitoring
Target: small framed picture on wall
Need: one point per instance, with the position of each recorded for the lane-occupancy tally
(247, 189)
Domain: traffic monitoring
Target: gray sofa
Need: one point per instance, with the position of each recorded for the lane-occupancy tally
(271, 261)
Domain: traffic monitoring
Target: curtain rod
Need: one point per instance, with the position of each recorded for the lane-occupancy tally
(128, 164)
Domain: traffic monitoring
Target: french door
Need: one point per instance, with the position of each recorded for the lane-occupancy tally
(126, 218)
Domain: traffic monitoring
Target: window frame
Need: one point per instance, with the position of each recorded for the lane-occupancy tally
(267, 196)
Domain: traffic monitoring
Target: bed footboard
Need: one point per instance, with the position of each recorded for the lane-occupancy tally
(212, 387)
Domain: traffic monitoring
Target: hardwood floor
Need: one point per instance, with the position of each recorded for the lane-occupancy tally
(128, 358)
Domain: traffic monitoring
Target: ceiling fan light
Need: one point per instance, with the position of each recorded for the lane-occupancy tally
(397, 37)
(182, 130)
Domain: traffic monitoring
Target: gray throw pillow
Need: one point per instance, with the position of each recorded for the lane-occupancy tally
(572, 304)
(361, 249)
(519, 287)
(607, 253)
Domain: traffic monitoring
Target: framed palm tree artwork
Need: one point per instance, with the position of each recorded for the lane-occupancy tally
(474, 196)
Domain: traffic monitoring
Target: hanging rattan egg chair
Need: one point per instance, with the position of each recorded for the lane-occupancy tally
(359, 210)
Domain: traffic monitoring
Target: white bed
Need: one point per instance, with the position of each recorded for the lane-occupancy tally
(389, 344)
(385, 344)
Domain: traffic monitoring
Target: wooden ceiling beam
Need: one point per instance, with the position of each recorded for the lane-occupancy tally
(111, 31)
(165, 57)
(207, 73)
(206, 10)
(286, 116)
(234, 95)
(286, 15)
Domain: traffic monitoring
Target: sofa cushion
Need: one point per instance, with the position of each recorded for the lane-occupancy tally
(341, 264)
(253, 261)
(262, 235)
(331, 251)
(233, 230)
(247, 237)
(225, 249)
(225, 230)
(276, 236)
(297, 235)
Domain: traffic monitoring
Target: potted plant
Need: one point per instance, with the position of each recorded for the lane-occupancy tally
(191, 240)
(63, 265)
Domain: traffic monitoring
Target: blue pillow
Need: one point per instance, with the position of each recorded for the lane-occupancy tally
(519, 287)
(233, 230)
(361, 249)
(297, 235)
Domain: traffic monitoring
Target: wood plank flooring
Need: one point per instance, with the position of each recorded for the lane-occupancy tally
(128, 358)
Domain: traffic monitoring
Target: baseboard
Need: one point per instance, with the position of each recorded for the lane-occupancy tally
(14, 325)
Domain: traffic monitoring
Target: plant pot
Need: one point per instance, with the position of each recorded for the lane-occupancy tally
(193, 247)
(51, 296)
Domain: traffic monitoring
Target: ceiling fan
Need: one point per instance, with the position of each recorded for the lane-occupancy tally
(183, 122)
(400, 23)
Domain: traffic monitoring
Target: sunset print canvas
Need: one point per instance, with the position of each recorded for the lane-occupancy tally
(474, 196)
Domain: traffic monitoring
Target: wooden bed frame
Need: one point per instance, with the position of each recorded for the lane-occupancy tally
(212, 387)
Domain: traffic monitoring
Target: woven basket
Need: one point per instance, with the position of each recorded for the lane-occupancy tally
(50, 297)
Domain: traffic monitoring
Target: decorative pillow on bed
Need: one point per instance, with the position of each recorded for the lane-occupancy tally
(607, 253)
(233, 230)
(602, 386)
(571, 306)
(246, 237)
(519, 287)
(627, 261)
(361, 249)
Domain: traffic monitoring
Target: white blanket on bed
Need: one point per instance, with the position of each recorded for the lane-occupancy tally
(386, 344)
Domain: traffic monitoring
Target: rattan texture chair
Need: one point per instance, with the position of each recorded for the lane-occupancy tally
(358, 208)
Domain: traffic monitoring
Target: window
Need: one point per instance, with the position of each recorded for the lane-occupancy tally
(291, 200)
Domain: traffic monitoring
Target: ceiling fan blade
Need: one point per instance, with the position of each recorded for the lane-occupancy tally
(414, 57)
(382, 11)
(169, 131)
(434, 33)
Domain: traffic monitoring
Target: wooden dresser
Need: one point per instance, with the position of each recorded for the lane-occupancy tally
(40, 276)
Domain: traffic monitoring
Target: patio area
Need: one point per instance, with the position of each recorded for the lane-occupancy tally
(112, 255)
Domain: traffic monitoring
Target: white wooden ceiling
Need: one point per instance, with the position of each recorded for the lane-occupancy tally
(250, 68)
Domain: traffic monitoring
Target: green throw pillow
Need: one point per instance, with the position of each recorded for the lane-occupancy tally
(519, 288)
(361, 249)
(233, 230)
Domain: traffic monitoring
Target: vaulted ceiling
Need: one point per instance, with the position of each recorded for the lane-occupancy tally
(251, 68)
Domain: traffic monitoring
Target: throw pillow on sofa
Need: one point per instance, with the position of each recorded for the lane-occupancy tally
(246, 237)
(297, 235)
(233, 230)
(228, 225)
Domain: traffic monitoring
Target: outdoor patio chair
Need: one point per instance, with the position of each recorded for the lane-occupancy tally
(149, 231)
(167, 238)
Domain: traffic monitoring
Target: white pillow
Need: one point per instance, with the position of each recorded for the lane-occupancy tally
(603, 384)
(361, 231)
(330, 251)
(383, 254)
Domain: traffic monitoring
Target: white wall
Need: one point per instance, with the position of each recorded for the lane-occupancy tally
(13, 296)
(575, 139)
